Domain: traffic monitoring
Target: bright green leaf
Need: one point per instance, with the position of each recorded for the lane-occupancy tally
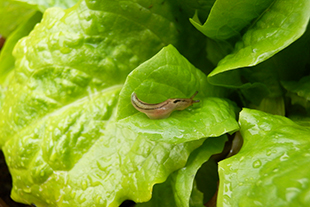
(12, 14)
(58, 128)
(63, 60)
(283, 23)
(228, 18)
(180, 189)
(170, 75)
(270, 169)
(183, 179)
(6, 58)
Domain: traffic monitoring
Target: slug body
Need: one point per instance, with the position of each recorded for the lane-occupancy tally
(164, 109)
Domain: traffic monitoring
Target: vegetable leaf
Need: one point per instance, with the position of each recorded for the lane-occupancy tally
(12, 14)
(177, 189)
(279, 26)
(6, 57)
(168, 74)
(71, 136)
(228, 18)
(299, 92)
(43, 5)
(62, 141)
(262, 174)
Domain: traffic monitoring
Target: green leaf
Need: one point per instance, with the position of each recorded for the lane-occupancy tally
(12, 14)
(228, 18)
(66, 60)
(180, 189)
(183, 179)
(58, 127)
(82, 159)
(270, 168)
(278, 27)
(170, 75)
(299, 91)
(6, 58)
(43, 5)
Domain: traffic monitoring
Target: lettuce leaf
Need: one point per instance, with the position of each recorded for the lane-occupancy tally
(15, 13)
(280, 25)
(228, 18)
(180, 189)
(12, 14)
(64, 142)
(43, 5)
(299, 91)
(71, 136)
(212, 116)
(6, 57)
(270, 168)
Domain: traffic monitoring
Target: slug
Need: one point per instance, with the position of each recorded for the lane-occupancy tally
(164, 109)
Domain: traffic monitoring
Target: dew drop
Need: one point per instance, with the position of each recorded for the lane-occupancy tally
(269, 152)
(284, 157)
(27, 190)
(257, 164)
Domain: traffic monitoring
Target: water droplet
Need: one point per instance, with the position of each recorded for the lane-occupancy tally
(269, 152)
(27, 190)
(227, 189)
(124, 7)
(284, 157)
(240, 184)
(257, 164)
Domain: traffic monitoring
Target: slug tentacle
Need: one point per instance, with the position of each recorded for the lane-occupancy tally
(164, 109)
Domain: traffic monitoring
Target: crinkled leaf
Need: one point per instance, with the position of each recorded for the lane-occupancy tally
(72, 54)
(81, 159)
(170, 75)
(228, 18)
(180, 189)
(57, 128)
(281, 24)
(270, 169)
